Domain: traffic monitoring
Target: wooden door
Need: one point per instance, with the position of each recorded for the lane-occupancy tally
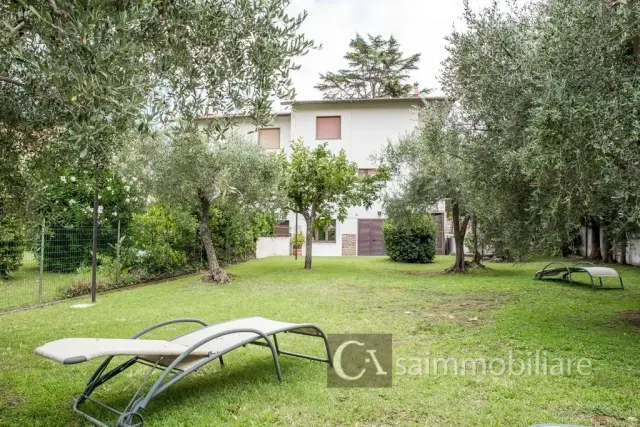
(370, 237)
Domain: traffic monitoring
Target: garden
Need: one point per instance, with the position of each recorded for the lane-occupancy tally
(486, 313)
(125, 161)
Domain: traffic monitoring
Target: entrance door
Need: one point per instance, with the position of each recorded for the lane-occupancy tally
(370, 237)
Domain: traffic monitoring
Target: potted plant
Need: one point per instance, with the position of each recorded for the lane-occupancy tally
(297, 240)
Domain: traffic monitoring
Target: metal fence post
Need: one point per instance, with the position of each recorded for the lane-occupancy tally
(40, 277)
(118, 255)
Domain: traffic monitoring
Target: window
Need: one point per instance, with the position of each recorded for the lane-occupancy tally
(328, 127)
(365, 172)
(282, 229)
(325, 234)
(269, 138)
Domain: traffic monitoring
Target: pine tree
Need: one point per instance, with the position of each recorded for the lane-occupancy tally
(377, 68)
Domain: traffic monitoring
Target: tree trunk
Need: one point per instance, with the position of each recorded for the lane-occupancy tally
(595, 241)
(607, 253)
(309, 241)
(216, 274)
(477, 257)
(623, 251)
(459, 231)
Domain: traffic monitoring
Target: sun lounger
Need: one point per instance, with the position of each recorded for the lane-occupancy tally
(176, 358)
(555, 269)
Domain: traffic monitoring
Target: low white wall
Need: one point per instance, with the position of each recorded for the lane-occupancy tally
(272, 246)
(633, 248)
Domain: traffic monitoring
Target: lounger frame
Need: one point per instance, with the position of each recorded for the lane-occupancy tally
(575, 268)
(130, 417)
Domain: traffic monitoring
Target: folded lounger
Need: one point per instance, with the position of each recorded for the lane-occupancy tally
(557, 268)
(176, 358)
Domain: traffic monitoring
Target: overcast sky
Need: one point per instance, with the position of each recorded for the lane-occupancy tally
(420, 26)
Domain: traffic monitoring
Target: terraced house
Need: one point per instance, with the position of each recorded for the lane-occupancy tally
(359, 126)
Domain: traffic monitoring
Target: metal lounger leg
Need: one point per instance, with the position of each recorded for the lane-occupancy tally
(320, 334)
(160, 385)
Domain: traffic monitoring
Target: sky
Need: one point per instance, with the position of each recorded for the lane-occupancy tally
(420, 26)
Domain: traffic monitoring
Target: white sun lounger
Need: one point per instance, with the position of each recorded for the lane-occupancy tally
(558, 268)
(176, 358)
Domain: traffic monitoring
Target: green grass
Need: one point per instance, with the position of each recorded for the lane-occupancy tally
(22, 288)
(485, 313)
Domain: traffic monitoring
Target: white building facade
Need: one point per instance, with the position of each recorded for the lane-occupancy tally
(359, 127)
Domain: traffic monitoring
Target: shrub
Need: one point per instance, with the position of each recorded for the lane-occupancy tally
(412, 241)
(161, 241)
(12, 242)
(235, 228)
(67, 205)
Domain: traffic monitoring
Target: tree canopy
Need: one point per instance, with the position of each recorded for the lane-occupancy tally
(198, 171)
(551, 88)
(431, 165)
(377, 68)
(322, 185)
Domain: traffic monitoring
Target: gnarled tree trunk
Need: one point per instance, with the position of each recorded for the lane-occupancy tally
(477, 257)
(623, 251)
(217, 274)
(595, 241)
(459, 231)
(607, 251)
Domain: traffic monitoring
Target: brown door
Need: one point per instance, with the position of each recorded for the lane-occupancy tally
(370, 237)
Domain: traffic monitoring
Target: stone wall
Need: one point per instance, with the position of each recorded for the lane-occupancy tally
(349, 245)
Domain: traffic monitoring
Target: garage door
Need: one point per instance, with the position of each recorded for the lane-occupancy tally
(370, 237)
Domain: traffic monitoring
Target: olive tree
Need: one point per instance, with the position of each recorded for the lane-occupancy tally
(90, 71)
(432, 164)
(551, 86)
(321, 185)
(195, 169)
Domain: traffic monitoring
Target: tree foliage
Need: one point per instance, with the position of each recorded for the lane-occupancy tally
(76, 77)
(431, 165)
(377, 68)
(411, 240)
(321, 186)
(552, 89)
(196, 170)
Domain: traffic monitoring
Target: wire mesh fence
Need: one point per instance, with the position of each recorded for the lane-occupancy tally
(55, 263)
(53, 260)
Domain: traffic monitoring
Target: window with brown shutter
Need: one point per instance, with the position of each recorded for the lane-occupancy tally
(269, 138)
(328, 127)
(282, 229)
(364, 172)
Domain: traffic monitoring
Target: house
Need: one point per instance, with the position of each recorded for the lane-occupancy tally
(359, 126)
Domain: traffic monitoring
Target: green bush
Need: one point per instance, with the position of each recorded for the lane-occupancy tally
(12, 243)
(235, 228)
(67, 205)
(412, 241)
(161, 242)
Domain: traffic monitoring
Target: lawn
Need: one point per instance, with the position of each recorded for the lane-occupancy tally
(482, 314)
(22, 288)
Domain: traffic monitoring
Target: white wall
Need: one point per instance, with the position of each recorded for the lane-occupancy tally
(365, 129)
(633, 248)
(320, 248)
(272, 246)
